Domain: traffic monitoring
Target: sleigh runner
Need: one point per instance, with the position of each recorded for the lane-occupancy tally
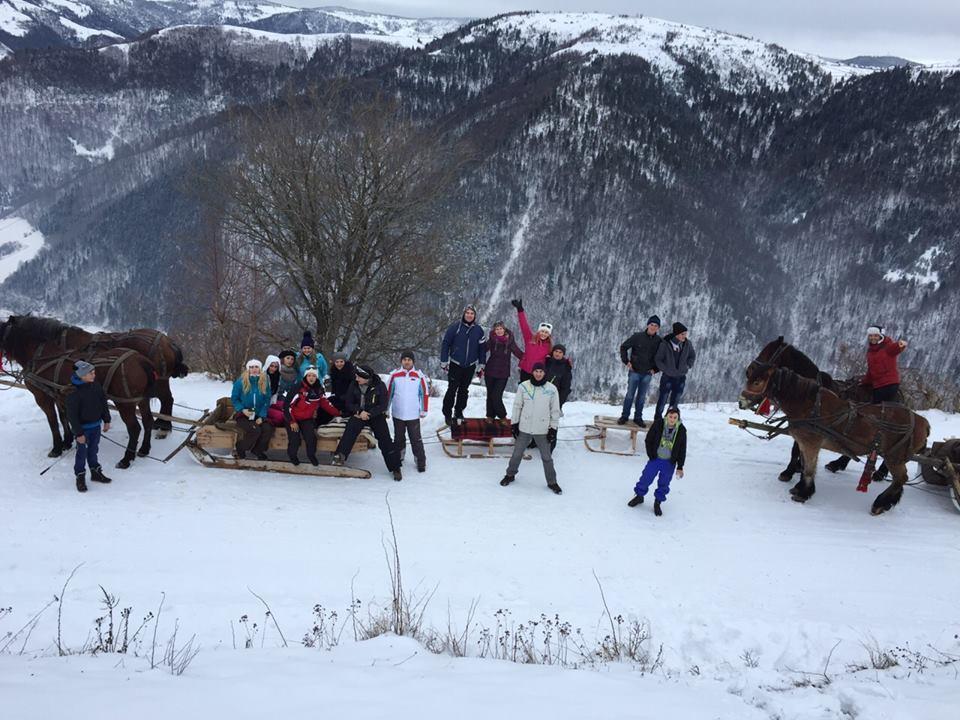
(595, 437)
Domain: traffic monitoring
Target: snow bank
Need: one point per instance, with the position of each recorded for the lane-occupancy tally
(19, 242)
(745, 589)
(85, 33)
(13, 22)
(104, 152)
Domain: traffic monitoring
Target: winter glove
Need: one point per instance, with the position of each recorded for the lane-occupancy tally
(515, 429)
(480, 373)
(552, 435)
(518, 304)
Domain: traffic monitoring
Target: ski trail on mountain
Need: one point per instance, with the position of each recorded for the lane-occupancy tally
(517, 242)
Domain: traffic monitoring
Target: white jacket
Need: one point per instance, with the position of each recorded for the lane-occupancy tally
(536, 409)
(408, 393)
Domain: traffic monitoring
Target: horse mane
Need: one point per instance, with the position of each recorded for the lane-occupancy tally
(789, 385)
(41, 329)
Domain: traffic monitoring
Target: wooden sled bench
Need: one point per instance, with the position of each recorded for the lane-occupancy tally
(478, 433)
(598, 432)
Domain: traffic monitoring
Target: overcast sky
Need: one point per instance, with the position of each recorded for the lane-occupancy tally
(922, 30)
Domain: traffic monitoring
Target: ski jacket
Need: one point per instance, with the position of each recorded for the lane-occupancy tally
(678, 453)
(408, 393)
(675, 362)
(640, 350)
(304, 402)
(499, 352)
(882, 364)
(534, 349)
(341, 380)
(316, 359)
(463, 344)
(560, 373)
(253, 399)
(86, 405)
(536, 408)
(373, 398)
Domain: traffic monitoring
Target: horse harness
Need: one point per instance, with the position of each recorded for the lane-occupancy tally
(115, 341)
(33, 373)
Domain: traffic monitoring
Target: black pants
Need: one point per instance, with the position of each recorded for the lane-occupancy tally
(495, 388)
(378, 425)
(402, 428)
(308, 432)
(338, 403)
(887, 393)
(458, 389)
(252, 436)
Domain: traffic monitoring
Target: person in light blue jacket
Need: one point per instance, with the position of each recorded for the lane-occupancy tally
(309, 357)
(251, 399)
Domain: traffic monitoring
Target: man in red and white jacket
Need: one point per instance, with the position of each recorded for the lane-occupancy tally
(882, 376)
(408, 392)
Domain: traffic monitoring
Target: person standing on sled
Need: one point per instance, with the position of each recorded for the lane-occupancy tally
(310, 357)
(300, 410)
(366, 405)
(535, 418)
(463, 354)
(251, 399)
(559, 372)
(666, 444)
(501, 348)
(536, 348)
(883, 378)
(87, 411)
(342, 375)
(675, 357)
(639, 354)
(408, 393)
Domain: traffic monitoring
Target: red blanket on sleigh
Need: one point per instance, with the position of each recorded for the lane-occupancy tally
(480, 429)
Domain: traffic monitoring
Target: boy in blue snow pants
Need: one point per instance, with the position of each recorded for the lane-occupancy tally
(666, 445)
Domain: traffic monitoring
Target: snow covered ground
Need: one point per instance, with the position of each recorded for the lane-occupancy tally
(19, 242)
(746, 591)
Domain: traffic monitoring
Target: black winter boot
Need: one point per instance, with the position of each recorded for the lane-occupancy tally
(635, 500)
(507, 479)
(313, 460)
(556, 489)
(96, 474)
(294, 460)
(622, 421)
(81, 482)
(656, 508)
(397, 475)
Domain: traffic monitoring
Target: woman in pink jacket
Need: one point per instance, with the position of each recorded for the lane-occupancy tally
(537, 347)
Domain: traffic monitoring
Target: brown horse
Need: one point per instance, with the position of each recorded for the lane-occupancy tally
(779, 353)
(128, 378)
(818, 418)
(162, 351)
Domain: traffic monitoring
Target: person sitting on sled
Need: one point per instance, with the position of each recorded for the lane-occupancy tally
(366, 405)
(666, 449)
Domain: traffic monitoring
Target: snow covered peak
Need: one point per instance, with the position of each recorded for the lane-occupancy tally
(667, 45)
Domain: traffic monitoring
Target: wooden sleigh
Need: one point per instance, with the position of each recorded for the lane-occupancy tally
(212, 443)
(478, 438)
(595, 437)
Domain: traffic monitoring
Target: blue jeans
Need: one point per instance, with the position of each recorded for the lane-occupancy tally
(653, 468)
(638, 384)
(672, 388)
(87, 452)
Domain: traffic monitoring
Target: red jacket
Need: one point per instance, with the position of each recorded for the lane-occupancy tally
(535, 350)
(302, 404)
(882, 364)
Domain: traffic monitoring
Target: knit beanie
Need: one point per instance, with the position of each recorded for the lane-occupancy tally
(407, 354)
(311, 369)
(875, 330)
(307, 340)
(286, 353)
(654, 320)
(679, 328)
(338, 356)
(82, 367)
(364, 371)
(561, 347)
(253, 363)
(538, 366)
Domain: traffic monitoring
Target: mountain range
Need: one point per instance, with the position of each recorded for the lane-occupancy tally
(625, 166)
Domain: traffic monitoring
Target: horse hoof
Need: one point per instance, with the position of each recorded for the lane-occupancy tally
(160, 434)
(878, 510)
(143, 453)
(799, 498)
(785, 477)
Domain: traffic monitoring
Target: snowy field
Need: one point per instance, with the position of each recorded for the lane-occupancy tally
(764, 608)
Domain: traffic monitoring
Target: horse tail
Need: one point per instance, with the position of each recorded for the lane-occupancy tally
(179, 367)
(151, 373)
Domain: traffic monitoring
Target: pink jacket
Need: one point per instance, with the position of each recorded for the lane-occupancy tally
(534, 350)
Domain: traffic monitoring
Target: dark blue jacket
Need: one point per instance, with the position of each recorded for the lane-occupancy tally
(464, 344)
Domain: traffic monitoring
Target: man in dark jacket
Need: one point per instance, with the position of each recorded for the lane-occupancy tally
(366, 405)
(639, 354)
(675, 357)
(86, 410)
(342, 375)
(560, 371)
(666, 445)
(463, 353)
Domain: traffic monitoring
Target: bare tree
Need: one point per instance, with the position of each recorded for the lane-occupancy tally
(342, 207)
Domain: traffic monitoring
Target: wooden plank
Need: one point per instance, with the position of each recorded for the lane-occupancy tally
(189, 438)
(224, 437)
(608, 422)
(232, 463)
(744, 424)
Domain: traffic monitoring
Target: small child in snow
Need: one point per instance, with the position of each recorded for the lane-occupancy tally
(87, 413)
(666, 449)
